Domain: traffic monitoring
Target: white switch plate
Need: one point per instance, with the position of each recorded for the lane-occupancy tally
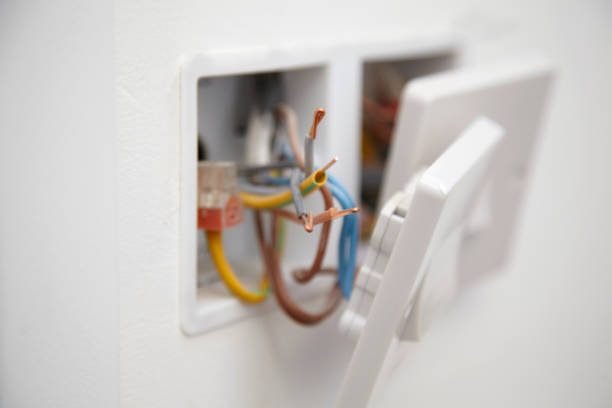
(435, 109)
(464, 223)
(439, 200)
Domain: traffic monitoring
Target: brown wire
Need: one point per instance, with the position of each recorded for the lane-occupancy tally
(304, 275)
(273, 268)
(325, 216)
(317, 118)
(269, 253)
(290, 118)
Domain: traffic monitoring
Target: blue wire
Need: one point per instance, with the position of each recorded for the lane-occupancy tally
(349, 237)
(349, 234)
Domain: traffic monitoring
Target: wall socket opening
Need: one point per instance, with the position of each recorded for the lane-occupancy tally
(216, 93)
(223, 104)
(383, 81)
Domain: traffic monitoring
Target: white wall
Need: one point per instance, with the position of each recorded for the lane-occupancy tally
(535, 335)
(58, 280)
(538, 335)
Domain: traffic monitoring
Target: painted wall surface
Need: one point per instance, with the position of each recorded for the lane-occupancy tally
(534, 335)
(89, 196)
(58, 279)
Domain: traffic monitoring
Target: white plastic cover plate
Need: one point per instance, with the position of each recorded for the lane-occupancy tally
(434, 111)
(442, 197)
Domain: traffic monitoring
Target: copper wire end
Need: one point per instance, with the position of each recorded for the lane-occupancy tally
(343, 213)
(332, 214)
(328, 165)
(316, 119)
(308, 221)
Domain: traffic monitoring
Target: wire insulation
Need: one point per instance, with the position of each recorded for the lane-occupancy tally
(267, 202)
(272, 264)
(349, 236)
(215, 247)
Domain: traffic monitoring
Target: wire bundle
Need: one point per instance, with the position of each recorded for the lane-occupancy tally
(269, 188)
(349, 235)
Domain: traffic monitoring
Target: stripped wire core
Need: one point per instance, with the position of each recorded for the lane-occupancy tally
(323, 217)
(309, 141)
(316, 119)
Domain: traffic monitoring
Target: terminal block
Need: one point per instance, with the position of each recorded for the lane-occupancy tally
(219, 205)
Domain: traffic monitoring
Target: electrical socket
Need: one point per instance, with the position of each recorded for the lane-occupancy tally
(214, 90)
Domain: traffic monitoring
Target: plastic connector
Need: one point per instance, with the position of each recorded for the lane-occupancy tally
(219, 205)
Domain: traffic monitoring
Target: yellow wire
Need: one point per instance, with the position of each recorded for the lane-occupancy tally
(263, 202)
(215, 241)
(215, 247)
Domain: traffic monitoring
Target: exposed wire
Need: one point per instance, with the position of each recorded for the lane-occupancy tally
(298, 201)
(268, 196)
(317, 261)
(308, 185)
(272, 265)
(309, 141)
(323, 217)
(289, 117)
(329, 164)
(349, 236)
(316, 120)
(215, 247)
